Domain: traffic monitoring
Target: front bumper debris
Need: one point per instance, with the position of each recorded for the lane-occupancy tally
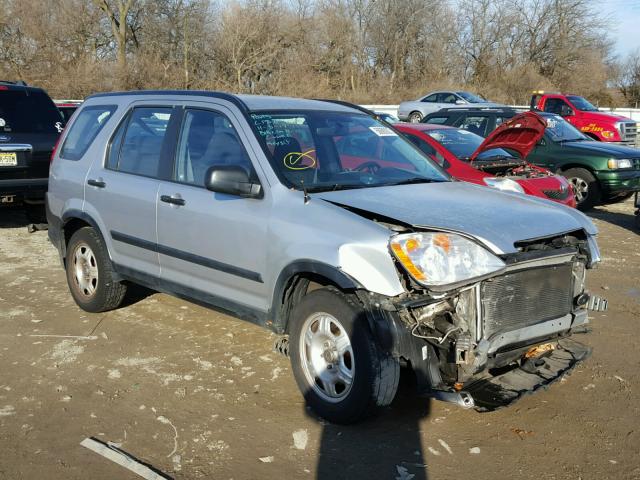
(490, 393)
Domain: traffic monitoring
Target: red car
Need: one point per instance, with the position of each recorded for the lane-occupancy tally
(471, 158)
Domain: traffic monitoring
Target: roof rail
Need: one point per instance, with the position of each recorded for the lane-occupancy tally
(199, 93)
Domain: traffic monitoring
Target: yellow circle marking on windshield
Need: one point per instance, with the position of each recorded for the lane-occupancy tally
(292, 160)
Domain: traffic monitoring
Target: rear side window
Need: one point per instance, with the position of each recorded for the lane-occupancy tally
(477, 124)
(84, 130)
(28, 111)
(138, 149)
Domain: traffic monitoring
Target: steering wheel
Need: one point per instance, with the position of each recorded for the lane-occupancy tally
(371, 166)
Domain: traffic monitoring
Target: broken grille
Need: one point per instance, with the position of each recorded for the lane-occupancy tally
(527, 297)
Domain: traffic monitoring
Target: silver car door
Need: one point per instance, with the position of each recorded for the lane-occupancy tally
(212, 245)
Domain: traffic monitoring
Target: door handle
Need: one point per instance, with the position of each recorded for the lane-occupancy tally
(172, 200)
(96, 183)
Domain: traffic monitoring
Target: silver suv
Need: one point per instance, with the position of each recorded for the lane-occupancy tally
(322, 223)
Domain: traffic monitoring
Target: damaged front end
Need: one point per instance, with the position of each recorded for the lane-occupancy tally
(486, 342)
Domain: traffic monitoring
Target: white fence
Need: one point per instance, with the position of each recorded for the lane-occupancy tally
(633, 113)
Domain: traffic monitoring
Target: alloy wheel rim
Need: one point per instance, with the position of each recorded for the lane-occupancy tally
(580, 188)
(85, 270)
(326, 356)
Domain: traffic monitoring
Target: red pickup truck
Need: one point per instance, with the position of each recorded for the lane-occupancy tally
(605, 127)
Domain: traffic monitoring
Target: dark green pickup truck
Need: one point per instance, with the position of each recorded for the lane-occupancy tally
(599, 172)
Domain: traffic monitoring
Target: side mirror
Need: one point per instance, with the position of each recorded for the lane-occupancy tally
(460, 102)
(566, 111)
(232, 180)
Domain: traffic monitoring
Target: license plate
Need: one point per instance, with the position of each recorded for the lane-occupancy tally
(8, 159)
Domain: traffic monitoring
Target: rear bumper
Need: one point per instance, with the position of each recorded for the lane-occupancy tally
(619, 182)
(24, 187)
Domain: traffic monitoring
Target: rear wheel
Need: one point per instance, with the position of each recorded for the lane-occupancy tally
(90, 274)
(585, 187)
(415, 117)
(342, 373)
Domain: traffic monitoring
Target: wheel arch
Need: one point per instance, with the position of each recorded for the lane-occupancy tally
(298, 278)
(72, 221)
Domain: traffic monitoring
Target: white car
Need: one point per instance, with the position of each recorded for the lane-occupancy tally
(415, 110)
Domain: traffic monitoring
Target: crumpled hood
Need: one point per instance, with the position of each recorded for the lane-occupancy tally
(520, 133)
(495, 218)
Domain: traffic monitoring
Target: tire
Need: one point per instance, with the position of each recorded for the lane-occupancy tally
(585, 187)
(90, 274)
(330, 339)
(415, 117)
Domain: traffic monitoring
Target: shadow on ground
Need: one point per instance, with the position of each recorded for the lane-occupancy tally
(625, 219)
(387, 446)
(13, 217)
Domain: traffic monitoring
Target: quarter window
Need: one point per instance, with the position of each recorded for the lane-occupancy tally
(207, 139)
(84, 130)
(138, 151)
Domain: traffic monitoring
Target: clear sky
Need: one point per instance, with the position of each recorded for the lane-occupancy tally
(625, 23)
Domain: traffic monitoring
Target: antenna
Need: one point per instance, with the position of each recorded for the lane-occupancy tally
(304, 190)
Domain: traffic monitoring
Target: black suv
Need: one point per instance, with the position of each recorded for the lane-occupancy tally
(30, 125)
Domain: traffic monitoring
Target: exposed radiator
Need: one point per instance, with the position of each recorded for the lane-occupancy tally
(526, 297)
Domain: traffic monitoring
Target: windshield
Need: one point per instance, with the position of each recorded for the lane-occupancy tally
(559, 130)
(325, 150)
(463, 143)
(581, 103)
(471, 98)
(32, 113)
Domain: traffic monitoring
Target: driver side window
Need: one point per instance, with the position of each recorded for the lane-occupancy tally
(207, 139)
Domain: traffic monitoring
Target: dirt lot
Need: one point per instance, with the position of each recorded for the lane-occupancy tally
(198, 394)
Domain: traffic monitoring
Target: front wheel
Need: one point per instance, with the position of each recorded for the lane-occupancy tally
(342, 373)
(415, 117)
(585, 187)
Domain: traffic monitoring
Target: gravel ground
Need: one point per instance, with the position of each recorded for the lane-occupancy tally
(198, 394)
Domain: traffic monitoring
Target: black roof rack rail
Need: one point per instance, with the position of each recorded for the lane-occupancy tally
(199, 93)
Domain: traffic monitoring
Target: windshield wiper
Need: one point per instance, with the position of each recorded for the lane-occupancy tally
(409, 181)
(336, 186)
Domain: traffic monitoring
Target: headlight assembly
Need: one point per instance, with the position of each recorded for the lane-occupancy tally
(615, 163)
(435, 259)
(504, 184)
